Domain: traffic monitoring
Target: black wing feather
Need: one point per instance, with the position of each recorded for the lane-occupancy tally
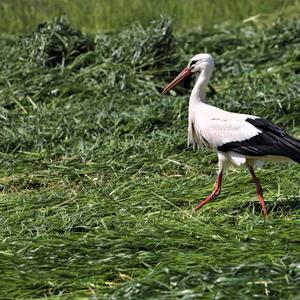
(273, 140)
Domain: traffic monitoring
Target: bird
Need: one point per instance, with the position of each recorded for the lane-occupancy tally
(239, 139)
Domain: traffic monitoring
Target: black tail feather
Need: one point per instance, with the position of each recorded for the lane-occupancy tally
(291, 146)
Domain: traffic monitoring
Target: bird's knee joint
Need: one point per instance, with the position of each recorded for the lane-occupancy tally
(259, 190)
(217, 192)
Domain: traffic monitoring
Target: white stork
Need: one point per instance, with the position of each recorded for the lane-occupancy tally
(239, 139)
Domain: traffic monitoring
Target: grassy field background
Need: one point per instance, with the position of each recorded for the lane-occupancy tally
(18, 16)
(97, 183)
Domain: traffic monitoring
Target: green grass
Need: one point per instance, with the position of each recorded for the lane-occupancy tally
(97, 183)
(107, 15)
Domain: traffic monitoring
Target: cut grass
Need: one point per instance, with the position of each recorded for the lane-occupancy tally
(97, 183)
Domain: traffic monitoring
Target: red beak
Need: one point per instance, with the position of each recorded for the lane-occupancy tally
(186, 72)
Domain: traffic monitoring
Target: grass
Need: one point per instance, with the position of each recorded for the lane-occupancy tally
(103, 15)
(97, 183)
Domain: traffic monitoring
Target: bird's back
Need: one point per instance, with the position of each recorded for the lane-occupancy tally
(212, 126)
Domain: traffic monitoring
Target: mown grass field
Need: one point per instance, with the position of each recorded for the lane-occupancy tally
(97, 182)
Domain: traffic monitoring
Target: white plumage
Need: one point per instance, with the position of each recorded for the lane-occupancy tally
(239, 139)
(216, 126)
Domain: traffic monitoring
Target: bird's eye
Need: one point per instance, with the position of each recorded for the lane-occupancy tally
(193, 62)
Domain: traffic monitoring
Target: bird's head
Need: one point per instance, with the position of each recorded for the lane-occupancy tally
(200, 62)
(197, 64)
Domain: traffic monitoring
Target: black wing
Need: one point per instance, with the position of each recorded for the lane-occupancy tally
(271, 141)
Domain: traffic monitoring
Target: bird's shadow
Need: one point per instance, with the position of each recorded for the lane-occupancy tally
(283, 206)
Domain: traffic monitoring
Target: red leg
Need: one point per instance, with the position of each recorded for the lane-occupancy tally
(259, 190)
(214, 194)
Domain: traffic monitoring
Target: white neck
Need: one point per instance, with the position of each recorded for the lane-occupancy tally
(198, 92)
